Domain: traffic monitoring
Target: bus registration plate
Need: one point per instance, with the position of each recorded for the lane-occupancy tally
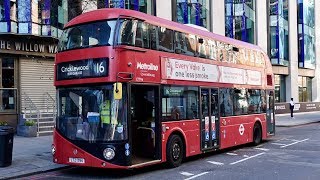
(76, 160)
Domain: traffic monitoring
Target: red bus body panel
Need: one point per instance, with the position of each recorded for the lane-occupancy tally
(66, 150)
(190, 130)
(230, 134)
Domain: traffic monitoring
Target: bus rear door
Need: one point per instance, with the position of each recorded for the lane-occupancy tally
(209, 117)
(270, 112)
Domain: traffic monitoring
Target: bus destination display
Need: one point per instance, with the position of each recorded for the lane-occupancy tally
(88, 68)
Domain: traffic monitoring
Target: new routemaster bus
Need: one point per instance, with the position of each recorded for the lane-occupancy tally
(136, 90)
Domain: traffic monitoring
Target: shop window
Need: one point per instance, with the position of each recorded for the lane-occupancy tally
(305, 89)
(7, 73)
(280, 88)
(7, 90)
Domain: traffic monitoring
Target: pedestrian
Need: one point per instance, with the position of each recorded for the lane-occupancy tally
(291, 107)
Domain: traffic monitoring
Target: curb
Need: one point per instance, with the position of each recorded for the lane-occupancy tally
(33, 172)
(297, 124)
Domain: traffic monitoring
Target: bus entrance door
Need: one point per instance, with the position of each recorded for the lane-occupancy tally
(144, 124)
(209, 119)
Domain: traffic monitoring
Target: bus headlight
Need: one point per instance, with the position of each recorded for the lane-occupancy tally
(109, 153)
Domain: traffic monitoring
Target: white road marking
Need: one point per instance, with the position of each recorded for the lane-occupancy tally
(278, 144)
(262, 149)
(290, 139)
(232, 154)
(186, 174)
(192, 177)
(216, 163)
(247, 158)
(294, 143)
(294, 140)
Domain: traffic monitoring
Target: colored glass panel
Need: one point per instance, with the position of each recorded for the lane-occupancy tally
(145, 6)
(279, 34)
(192, 12)
(5, 16)
(24, 16)
(240, 20)
(306, 33)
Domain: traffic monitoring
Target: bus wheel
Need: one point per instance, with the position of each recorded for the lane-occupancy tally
(174, 151)
(257, 134)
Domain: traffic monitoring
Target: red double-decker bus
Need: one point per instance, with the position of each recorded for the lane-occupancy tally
(135, 90)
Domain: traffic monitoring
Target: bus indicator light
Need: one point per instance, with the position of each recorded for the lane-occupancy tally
(127, 152)
(127, 146)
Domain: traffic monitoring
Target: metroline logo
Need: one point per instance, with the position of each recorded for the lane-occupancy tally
(145, 66)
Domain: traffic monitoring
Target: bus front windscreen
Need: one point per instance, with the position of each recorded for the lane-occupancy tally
(88, 35)
(92, 114)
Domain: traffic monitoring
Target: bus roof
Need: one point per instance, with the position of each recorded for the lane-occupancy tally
(113, 13)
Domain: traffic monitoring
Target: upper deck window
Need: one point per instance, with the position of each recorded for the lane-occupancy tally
(88, 35)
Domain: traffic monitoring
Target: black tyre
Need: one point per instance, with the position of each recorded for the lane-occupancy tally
(175, 151)
(257, 134)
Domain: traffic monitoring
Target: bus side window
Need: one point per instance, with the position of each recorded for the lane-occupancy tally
(254, 101)
(154, 37)
(221, 51)
(179, 102)
(240, 101)
(142, 35)
(263, 101)
(165, 39)
(179, 41)
(212, 50)
(226, 102)
(126, 33)
(203, 48)
(190, 44)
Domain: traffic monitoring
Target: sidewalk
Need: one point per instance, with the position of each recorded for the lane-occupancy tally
(284, 120)
(33, 155)
(30, 155)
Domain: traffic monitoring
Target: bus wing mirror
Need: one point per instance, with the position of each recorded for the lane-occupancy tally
(117, 91)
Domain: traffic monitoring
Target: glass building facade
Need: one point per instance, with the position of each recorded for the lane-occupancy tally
(306, 33)
(305, 89)
(33, 17)
(240, 19)
(192, 12)
(146, 6)
(280, 88)
(279, 32)
(47, 17)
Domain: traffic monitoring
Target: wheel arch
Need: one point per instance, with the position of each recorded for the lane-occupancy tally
(258, 123)
(183, 138)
